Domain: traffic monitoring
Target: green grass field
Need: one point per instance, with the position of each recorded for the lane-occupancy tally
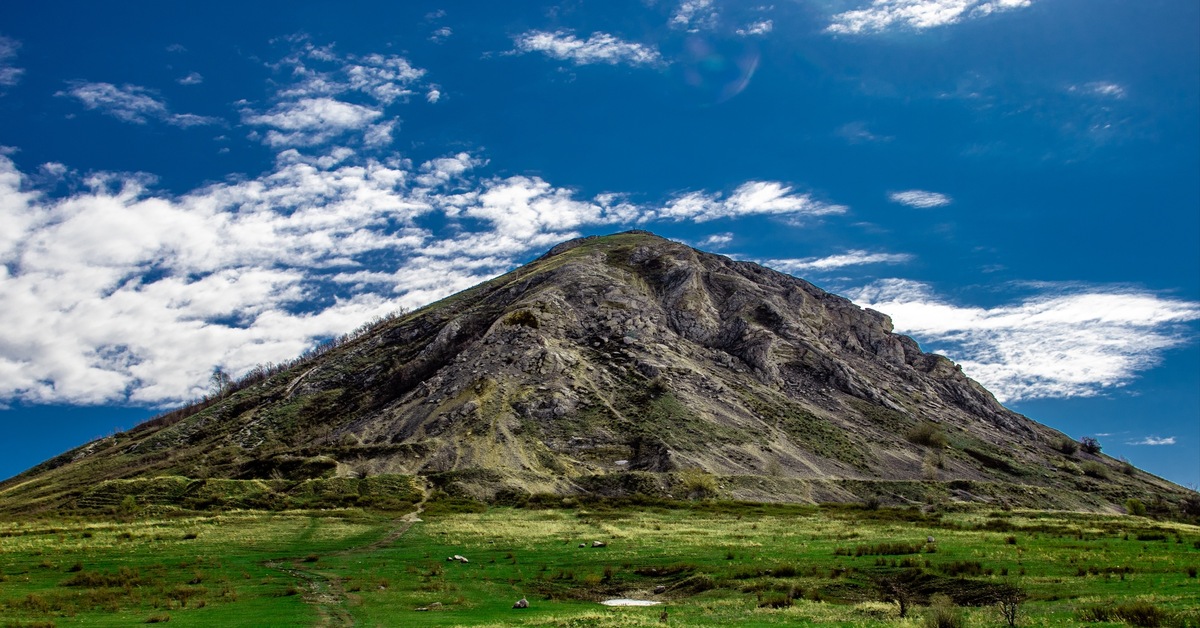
(717, 563)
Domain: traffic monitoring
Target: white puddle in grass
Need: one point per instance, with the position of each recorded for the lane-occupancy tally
(628, 602)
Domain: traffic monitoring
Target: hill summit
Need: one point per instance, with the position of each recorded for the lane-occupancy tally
(616, 365)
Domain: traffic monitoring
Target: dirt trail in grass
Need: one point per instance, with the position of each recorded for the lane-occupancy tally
(326, 592)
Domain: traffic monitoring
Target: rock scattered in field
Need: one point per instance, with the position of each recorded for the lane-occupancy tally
(457, 559)
(599, 544)
(521, 603)
(583, 545)
(660, 589)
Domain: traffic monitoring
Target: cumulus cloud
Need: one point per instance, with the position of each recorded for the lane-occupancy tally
(117, 292)
(1061, 344)
(750, 198)
(10, 75)
(320, 100)
(695, 15)
(130, 103)
(192, 78)
(761, 27)
(833, 262)
(440, 34)
(311, 121)
(717, 241)
(920, 199)
(882, 15)
(1154, 440)
(598, 48)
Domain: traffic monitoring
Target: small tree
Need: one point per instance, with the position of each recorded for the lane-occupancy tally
(895, 589)
(219, 382)
(1090, 445)
(1009, 602)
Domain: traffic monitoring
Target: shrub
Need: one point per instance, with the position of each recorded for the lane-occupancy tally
(524, 318)
(776, 601)
(1068, 446)
(1127, 467)
(1095, 470)
(1143, 614)
(1135, 507)
(927, 434)
(698, 483)
(943, 613)
(1090, 445)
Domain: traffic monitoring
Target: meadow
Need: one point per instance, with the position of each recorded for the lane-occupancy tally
(706, 562)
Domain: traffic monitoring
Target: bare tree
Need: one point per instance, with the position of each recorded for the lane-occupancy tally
(219, 382)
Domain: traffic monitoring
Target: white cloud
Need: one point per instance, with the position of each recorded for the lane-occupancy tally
(130, 103)
(315, 106)
(920, 199)
(311, 121)
(751, 198)
(695, 15)
(1060, 344)
(1154, 440)
(832, 262)
(761, 27)
(1103, 89)
(598, 48)
(717, 241)
(10, 75)
(882, 15)
(440, 34)
(119, 293)
(192, 78)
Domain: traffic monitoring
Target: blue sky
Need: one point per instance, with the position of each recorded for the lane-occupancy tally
(1015, 182)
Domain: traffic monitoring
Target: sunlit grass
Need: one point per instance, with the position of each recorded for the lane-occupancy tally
(718, 566)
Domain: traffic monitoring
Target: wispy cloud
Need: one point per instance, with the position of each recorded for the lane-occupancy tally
(882, 15)
(10, 75)
(598, 48)
(832, 262)
(1154, 440)
(750, 198)
(1102, 89)
(920, 199)
(130, 103)
(1063, 343)
(192, 78)
(441, 34)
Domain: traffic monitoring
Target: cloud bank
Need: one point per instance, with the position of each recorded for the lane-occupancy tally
(1067, 344)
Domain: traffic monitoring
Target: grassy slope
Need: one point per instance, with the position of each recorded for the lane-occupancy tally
(251, 568)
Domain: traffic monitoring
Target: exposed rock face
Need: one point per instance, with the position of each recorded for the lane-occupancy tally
(611, 364)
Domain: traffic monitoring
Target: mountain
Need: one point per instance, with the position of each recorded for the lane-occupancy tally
(612, 365)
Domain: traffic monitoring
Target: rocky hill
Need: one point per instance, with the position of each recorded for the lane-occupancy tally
(616, 365)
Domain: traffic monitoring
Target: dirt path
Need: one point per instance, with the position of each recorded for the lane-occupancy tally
(326, 592)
